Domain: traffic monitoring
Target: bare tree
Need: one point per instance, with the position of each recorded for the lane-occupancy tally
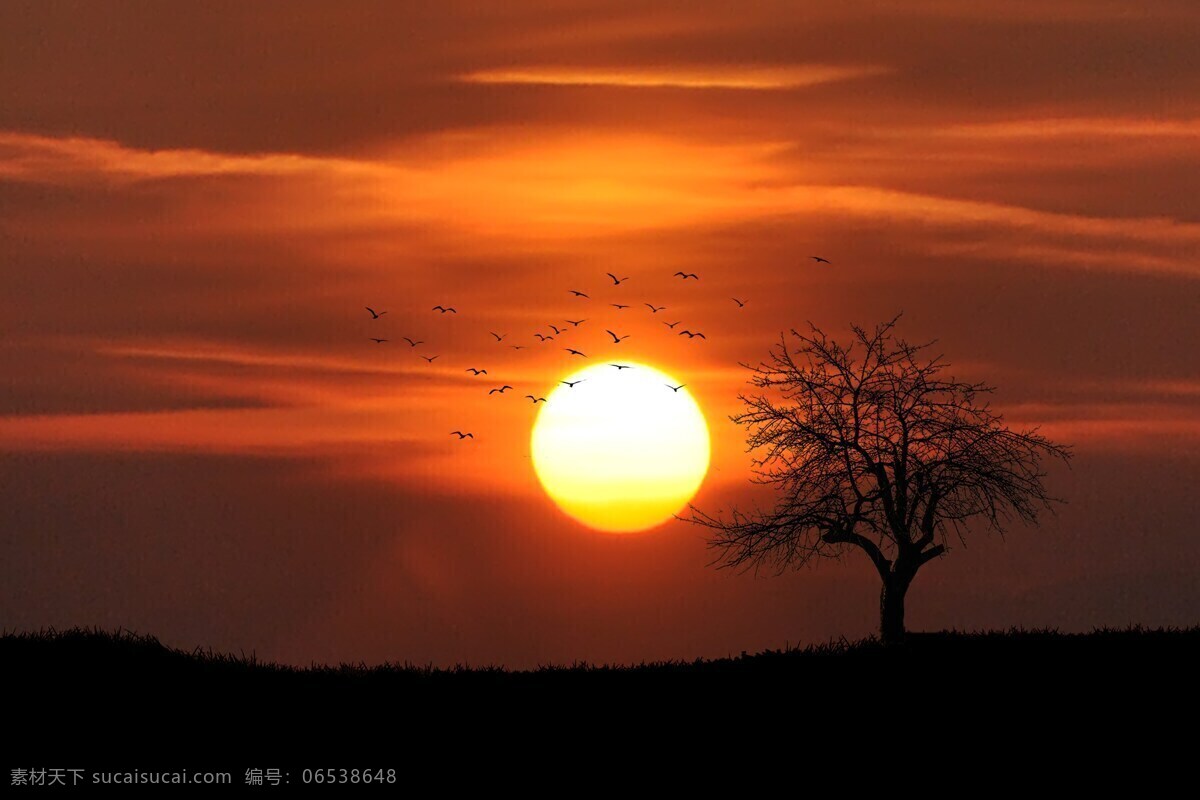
(870, 447)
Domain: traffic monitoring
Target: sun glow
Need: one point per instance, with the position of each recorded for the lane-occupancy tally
(620, 451)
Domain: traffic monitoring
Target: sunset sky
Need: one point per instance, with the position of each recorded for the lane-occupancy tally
(197, 439)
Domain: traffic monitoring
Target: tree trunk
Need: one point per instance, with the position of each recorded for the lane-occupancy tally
(891, 608)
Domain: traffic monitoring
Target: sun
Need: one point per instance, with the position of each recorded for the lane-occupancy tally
(621, 450)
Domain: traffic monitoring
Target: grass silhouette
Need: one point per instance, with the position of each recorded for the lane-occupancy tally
(119, 698)
(127, 657)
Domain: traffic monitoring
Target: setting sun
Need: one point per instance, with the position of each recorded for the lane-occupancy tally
(621, 450)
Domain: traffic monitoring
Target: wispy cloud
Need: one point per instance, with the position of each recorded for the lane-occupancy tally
(50, 159)
(552, 187)
(1050, 238)
(1075, 127)
(700, 77)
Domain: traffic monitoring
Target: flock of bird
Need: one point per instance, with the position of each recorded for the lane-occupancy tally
(556, 331)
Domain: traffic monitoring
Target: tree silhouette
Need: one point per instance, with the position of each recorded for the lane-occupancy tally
(869, 447)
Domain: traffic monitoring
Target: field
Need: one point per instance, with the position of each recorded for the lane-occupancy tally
(129, 658)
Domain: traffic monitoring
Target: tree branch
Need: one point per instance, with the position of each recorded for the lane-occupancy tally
(930, 554)
(882, 564)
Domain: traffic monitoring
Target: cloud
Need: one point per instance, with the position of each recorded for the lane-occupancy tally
(1092, 235)
(49, 159)
(1073, 127)
(371, 73)
(231, 288)
(703, 77)
(557, 188)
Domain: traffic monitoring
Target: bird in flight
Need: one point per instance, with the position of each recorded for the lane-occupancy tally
(412, 343)
(501, 390)
(672, 325)
(617, 281)
(374, 314)
(429, 359)
(474, 371)
(618, 306)
(741, 303)
(377, 341)
(820, 260)
(691, 335)
(462, 435)
(616, 339)
(621, 366)
(675, 388)
(686, 275)
(557, 330)
(576, 322)
(543, 338)
(571, 384)
(517, 346)
(444, 309)
(653, 308)
(499, 338)
(575, 352)
(577, 294)
(536, 400)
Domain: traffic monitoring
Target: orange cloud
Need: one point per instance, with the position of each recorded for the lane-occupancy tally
(1083, 127)
(702, 77)
(553, 186)
(469, 197)
(48, 159)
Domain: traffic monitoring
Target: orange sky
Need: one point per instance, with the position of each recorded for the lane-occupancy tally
(197, 440)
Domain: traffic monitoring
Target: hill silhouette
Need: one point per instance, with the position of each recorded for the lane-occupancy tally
(125, 657)
(65, 691)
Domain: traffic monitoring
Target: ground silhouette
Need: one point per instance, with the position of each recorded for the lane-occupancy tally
(102, 700)
(125, 657)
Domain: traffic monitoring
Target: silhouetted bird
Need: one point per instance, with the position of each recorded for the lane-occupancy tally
(820, 260)
(577, 294)
(686, 275)
(462, 435)
(444, 309)
(474, 371)
(575, 352)
(691, 335)
(499, 338)
(576, 322)
(654, 309)
(621, 366)
(517, 346)
(741, 303)
(616, 339)
(571, 384)
(501, 390)
(557, 330)
(429, 358)
(543, 338)
(536, 400)
(672, 325)
(675, 388)
(374, 314)
(412, 343)
(616, 281)
(376, 341)
(618, 306)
